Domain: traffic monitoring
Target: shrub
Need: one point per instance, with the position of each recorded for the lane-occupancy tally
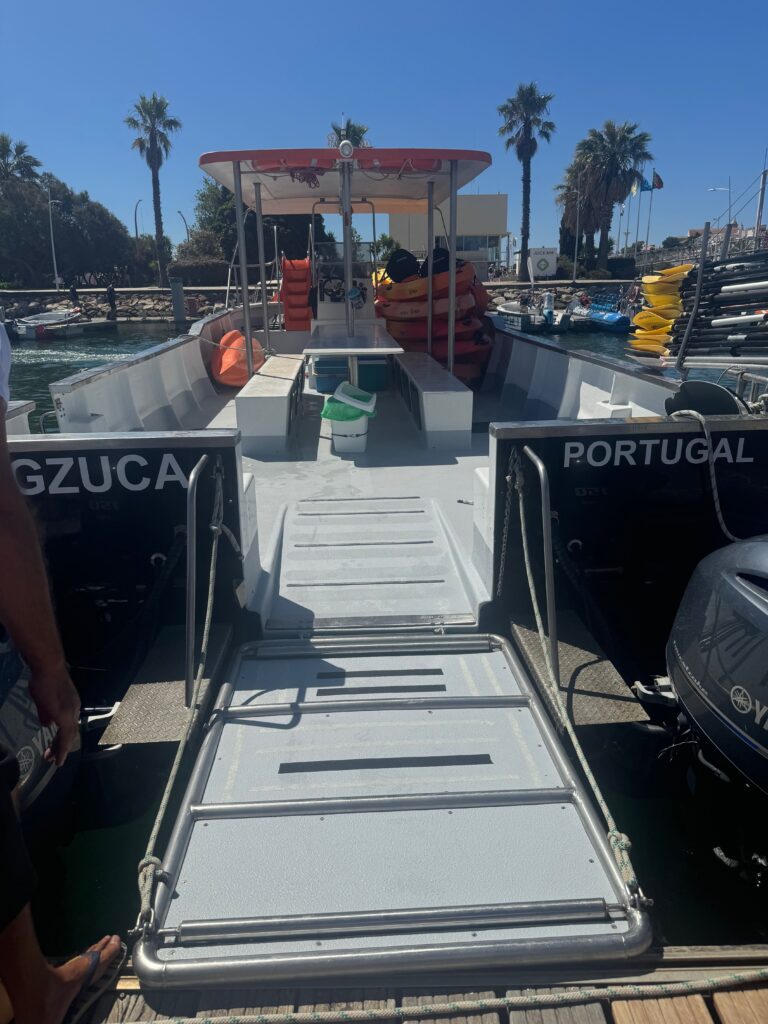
(199, 272)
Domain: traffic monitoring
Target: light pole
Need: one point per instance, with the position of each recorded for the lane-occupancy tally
(185, 222)
(723, 188)
(53, 244)
(135, 219)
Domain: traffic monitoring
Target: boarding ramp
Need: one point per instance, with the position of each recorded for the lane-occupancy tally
(376, 805)
(381, 562)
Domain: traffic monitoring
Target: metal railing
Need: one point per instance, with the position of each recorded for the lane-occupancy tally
(549, 561)
(189, 669)
(690, 252)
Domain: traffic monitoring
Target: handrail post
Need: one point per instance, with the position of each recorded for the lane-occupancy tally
(549, 562)
(243, 255)
(680, 361)
(189, 672)
(430, 258)
(262, 268)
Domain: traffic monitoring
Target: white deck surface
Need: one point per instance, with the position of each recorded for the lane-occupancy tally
(397, 464)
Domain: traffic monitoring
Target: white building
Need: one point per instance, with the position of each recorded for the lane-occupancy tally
(481, 226)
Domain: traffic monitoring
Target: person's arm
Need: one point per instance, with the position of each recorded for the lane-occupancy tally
(27, 613)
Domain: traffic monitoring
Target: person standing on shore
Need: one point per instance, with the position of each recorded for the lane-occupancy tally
(112, 300)
(74, 298)
(38, 992)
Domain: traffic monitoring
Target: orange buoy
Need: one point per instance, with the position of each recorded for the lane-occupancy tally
(228, 362)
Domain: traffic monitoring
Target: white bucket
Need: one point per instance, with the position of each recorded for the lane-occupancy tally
(350, 435)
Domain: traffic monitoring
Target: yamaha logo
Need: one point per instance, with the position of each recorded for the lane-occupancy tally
(741, 700)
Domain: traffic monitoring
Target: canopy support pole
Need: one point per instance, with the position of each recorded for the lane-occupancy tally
(262, 267)
(243, 255)
(346, 213)
(430, 258)
(277, 274)
(452, 265)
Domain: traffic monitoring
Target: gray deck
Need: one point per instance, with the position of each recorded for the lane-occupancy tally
(369, 805)
(366, 561)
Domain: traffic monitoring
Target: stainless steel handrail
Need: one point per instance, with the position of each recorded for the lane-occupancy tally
(327, 925)
(549, 562)
(189, 672)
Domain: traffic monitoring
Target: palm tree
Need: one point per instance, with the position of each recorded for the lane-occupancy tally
(579, 210)
(349, 130)
(15, 160)
(154, 126)
(611, 158)
(524, 124)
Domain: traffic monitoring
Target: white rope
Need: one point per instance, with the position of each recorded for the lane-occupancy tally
(692, 414)
(619, 842)
(150, 865)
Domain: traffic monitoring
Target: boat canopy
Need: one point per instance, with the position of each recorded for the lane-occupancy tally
(394, 180)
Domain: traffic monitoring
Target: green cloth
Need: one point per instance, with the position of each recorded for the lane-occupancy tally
(341, 412)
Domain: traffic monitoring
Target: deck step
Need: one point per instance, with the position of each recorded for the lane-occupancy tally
(152, 710)
(592, 689)
(367, 561)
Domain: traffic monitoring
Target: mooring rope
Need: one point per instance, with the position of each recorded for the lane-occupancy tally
(618, 841)
(467, 1007)
(150, 865)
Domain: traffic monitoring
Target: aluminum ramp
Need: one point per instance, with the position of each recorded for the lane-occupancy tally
(383, 562)
(377, 805)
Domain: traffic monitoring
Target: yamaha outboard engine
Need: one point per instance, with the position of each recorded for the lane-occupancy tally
(717, 658)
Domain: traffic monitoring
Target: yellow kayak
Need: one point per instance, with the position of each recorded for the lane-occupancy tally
(645, 346)
(660, 332)
(650, 320)
(676, 273)
(669, 310)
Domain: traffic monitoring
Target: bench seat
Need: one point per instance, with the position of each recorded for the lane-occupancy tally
(268, 404)
(439, 403)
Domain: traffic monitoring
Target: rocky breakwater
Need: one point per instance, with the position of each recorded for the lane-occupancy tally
(131, 304)
(501, 293)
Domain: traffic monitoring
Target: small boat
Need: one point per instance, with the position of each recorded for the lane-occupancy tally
(55, 324)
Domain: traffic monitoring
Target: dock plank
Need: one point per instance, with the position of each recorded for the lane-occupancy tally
(220, 1002)
(746, 1006)
(679, 1010)
(583, 1013)
(427, 999)
(353, 999)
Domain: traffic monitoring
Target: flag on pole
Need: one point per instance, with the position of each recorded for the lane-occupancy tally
(635, 187)
(646, 186)
(657, 182)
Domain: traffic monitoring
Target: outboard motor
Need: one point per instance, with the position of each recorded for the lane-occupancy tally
(717, 659)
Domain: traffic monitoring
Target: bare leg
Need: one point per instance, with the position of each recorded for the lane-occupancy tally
(39, 993)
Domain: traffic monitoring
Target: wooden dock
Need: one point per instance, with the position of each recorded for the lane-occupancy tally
(746, 1005)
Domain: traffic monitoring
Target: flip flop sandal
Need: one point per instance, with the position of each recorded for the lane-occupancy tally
(91, 990)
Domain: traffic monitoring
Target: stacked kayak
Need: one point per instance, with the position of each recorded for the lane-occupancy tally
(663, 306)
(403, 304)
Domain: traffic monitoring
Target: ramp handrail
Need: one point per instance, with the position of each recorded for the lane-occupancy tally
(549, 563)
(189, 669)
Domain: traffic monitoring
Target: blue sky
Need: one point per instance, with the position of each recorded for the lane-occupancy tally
(280, 72)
